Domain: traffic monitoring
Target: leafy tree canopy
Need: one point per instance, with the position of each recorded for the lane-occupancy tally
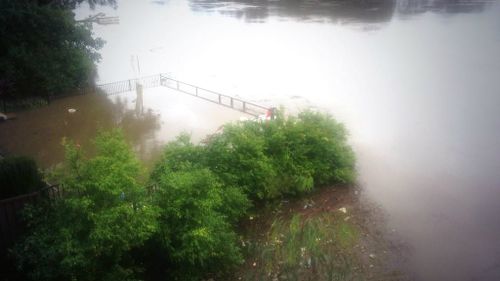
(104, 214)
(43, 50)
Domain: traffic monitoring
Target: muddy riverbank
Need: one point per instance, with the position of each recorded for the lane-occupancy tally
(376, 252)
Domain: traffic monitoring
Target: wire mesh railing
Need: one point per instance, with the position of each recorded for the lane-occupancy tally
(129, 85)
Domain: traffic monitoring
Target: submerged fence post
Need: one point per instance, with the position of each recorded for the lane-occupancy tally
(138, 101)
(164, 80)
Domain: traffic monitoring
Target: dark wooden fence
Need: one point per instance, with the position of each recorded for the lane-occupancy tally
(11, 223)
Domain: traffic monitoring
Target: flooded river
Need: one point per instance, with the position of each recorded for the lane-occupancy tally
(417, 83)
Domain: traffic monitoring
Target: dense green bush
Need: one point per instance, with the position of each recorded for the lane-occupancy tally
(19, 175)
(203, 189)
(197, 213)
(238, 156)
(104, 214)
(183, 226)
(286, 156)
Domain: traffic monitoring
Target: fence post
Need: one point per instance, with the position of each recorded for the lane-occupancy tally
(244, 106)
(196, 89)
(177, 84)
(232, 102)
(220, 99)
(129, 85)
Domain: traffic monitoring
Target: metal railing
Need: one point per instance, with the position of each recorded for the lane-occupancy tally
(130, 84)
(165, 81)
(215, 97)
(186, 88)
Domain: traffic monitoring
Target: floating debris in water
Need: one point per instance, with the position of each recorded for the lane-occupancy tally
(71, 110)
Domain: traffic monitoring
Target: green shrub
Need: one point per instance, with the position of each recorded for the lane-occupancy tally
(197, 213)
(320, 143)
(107, 226)
(238, 156)
(104, 214)
(285, 156)
(203, 189)
(19, 175)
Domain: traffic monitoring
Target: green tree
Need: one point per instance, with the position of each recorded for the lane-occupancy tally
(43, 50)
(198, 213)
(104, 214)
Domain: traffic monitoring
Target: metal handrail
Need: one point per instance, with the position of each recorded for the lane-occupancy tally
(162, 80)
(245, 104)
(210, 91)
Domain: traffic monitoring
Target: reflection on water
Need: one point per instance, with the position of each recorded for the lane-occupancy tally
(39, 132)
(372, 11)
(148, 121)
(336, 11)
(442, 6)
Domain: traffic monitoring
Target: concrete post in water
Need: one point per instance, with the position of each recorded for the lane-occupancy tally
(138, 100)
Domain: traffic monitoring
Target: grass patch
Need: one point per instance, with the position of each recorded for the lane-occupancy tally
(304, 248)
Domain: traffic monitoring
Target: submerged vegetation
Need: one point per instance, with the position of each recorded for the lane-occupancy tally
(181, 222)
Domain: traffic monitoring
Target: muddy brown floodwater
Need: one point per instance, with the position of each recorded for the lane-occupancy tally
(415, 81)
(39, 132)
